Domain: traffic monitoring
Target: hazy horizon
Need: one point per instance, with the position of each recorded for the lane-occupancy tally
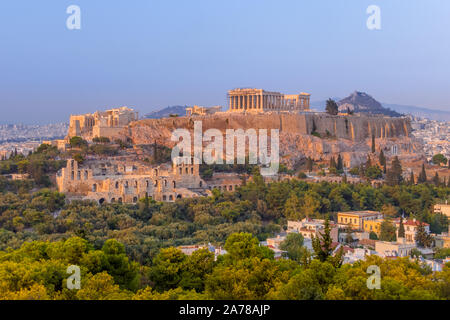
(153, 54)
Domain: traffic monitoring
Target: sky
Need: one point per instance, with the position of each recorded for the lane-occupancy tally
(149, 54)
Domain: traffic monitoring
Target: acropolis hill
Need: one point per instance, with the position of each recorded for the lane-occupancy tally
(348, 135)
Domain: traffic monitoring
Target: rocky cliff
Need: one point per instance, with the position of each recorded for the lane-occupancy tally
(349, 135)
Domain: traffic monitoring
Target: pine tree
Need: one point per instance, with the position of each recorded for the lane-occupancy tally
(422, 178)
(344, 178)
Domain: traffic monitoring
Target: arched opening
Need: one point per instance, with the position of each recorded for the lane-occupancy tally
(94, 188)
(120, 200)
(192, 170)
(187, 170)
(147, 184)
(201, 184)
(135, 199)
(101, 201)
(179, 196)
(117, 185)
(164, 198)
(165, 183)
(171, 198)
(113, 200)
(230, 188)
(174, 184)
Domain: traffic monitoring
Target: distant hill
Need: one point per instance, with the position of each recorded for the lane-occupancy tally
(361, 102)
(421, 112)
(166, 112)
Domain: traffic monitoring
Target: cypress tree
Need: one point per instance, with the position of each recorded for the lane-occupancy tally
(340, 165)
(382, 158)
(401, 229)
(373, 143)
(422, 178)
(411, 179)
(309, 164)
(394, 175)
(436, 180)
(332, 163)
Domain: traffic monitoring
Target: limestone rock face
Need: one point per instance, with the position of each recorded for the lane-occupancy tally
(349, 135)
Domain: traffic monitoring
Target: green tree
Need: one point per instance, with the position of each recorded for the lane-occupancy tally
(422, 178)
(387, 231)
(401, 229)
(394, 174)
(294, 246)
(322, 246)
(423, 238)
(439, 159)
(332, 107)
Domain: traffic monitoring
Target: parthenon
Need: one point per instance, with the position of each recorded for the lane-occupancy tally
(259, 100)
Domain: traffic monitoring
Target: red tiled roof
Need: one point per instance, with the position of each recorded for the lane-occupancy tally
(410, 222)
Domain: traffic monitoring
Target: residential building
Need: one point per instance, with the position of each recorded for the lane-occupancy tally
(410, 227)
(356, 219)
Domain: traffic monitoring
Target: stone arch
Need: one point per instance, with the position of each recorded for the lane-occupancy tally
(179, 196)
(101, 201)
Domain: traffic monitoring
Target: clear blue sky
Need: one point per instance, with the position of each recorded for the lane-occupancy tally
(149, 54)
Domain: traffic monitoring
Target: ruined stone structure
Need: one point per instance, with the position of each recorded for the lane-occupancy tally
(125, 181)
(260, 101)
(201, 111)
(108, 124)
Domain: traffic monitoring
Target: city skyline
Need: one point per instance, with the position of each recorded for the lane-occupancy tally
(153, 54)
